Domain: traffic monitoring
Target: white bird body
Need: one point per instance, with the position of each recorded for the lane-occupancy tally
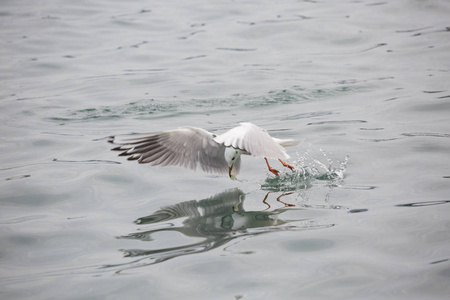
(191, 146)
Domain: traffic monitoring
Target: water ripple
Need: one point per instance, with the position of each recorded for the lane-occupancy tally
(424, 203)
(428, 134)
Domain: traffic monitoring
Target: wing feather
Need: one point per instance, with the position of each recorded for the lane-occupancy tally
(253, 140)
(187, 147)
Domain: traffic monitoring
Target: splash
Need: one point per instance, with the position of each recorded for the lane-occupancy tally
(313, 165)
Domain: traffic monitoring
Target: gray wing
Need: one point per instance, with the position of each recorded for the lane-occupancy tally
(186, 147)
(253, 140)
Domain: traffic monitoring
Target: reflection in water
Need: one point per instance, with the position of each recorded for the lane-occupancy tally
(208, 224)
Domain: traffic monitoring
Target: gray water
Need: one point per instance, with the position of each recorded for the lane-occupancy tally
(363, 84)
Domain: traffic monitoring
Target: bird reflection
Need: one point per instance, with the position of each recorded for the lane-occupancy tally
(207, 224)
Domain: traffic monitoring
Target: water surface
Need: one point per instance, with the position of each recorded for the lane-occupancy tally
(363, 84)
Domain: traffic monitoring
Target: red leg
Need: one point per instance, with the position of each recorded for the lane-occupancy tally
(286, 165)
(286, 204)
(271, 169)
(265, 202)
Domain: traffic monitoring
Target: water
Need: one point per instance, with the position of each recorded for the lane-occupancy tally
(364, 85)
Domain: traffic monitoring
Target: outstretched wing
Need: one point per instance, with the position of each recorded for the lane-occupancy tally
(186, 147)
(253, 140)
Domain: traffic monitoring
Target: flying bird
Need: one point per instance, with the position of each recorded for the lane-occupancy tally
(191, 146)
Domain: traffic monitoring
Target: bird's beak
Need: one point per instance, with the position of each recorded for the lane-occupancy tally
(232, 177)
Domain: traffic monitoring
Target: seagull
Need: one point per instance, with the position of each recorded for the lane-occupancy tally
(191, 146)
